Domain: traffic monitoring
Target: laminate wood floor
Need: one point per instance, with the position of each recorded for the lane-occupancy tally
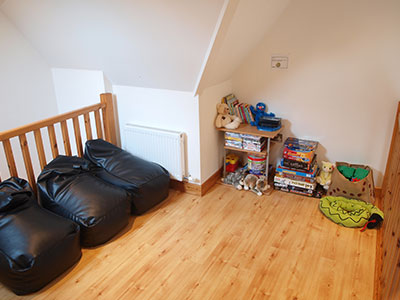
(226, 245)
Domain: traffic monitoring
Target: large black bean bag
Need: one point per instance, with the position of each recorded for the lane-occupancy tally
(146, 182)
(69, 188)
(35, 245)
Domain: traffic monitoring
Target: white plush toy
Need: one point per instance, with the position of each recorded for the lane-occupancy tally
(234, 124)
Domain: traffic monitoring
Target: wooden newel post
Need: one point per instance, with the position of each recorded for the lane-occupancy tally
(108, 118)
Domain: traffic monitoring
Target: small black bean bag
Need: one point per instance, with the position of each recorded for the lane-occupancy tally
(36, 245)
(147, 182)
(69, 187)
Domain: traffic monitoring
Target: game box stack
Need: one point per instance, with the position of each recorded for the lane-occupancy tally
(233, 140)
(297, 170)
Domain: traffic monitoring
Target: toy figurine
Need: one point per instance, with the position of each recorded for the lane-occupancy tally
(231, 162)
(263, 120)
(325, 175)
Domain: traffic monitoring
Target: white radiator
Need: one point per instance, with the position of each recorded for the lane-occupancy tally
(157, 145)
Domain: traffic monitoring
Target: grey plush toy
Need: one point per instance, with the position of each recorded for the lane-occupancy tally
(235, 178)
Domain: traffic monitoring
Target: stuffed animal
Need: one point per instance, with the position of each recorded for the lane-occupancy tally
(325, 175)
(224, 119)
(234, 124)
(235, 178)
(262, 185)
(256, 185)
(259, 111)
(250, 182)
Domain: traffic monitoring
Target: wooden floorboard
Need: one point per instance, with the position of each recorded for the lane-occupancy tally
(226, 245)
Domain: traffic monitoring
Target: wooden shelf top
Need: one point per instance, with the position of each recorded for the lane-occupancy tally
(248, 129)
(262, 153)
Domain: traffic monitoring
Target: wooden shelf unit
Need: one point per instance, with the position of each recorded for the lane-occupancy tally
(262, 153)
(248, 129)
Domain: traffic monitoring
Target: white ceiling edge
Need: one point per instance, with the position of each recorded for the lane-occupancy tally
(244, 26)
(210, 46)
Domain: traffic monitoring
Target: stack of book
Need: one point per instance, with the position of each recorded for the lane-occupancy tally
(297, 170)
(241, 110)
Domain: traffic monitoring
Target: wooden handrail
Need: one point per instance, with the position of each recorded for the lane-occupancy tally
(5, 135)
(105, 107)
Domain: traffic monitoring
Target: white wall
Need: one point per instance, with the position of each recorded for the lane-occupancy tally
(27, 93)
(77, 88)
(166, 109)
(211, 140)
(342, 84)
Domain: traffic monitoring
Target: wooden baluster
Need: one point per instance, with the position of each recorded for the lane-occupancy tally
(88, 126)
(53, 140)
(39, 148)
(108, 118)
(78, 138)
(10, 158)
(99, 128)
(67, 144)
(27, 161)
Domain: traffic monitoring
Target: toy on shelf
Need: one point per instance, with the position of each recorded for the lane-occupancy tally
(256, 164)
(325, 175)
(224, 119)
(231, 162)
(264, 120)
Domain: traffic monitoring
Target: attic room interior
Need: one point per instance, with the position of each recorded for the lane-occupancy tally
(215, 149)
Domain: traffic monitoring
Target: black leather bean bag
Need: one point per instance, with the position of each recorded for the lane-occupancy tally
(146, 182)
(69, 188)
(36, 245)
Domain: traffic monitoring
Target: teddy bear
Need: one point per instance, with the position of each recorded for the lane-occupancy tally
(224, 119)
(325, 175)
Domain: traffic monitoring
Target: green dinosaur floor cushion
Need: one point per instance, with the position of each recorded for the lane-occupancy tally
(350, 212)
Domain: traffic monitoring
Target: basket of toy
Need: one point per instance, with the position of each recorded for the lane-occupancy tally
(352, 181)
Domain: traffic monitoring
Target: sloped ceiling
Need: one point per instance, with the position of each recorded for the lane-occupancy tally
(244, 25)
(144, 43)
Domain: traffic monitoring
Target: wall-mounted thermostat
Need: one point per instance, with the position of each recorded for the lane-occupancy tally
(279, 62)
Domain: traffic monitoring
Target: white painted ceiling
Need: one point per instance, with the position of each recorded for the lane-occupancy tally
(145, 43)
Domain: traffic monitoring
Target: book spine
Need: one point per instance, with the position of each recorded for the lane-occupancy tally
(301, 184)
(295, 177)
(293, 172)
(243, 114)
